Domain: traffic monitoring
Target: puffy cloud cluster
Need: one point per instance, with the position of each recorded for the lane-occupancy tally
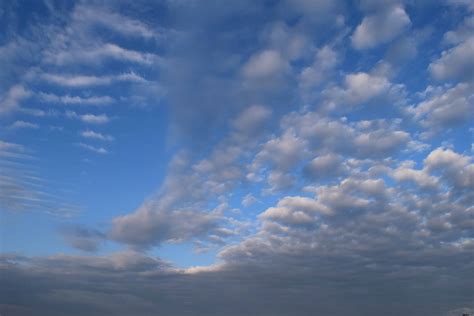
(381, 27)
(341, 215)
(344, 242)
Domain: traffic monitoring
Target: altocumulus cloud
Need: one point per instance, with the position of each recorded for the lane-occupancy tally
(323, 175)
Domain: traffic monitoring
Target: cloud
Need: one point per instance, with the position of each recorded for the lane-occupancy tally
(251, 121)
(284, 151)
(361, 232)
(462, 3)
(325, 167)
(23, 124)
(265, 65)
(10, 101)
(96, 135)
(73, 100)
(360, 139)
(462, 33)
(325, 60)
(114, 21)
(95, 149)
(82, 238)
(446, 107)
(22, 186)
(296, 210)
(455, 63)
(355, 215)
(248, 200)
(13, 150)
(98, 54)
(151, 225)
(381, 27)
(406, 173)
(361, 87)
(89, 118)
(83, 81)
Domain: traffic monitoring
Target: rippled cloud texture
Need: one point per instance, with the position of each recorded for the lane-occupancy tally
(264, 158)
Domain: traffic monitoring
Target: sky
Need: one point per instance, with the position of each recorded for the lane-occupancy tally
(267, 158)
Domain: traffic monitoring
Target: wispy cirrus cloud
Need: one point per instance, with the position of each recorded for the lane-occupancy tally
(89, 118)
(10, 101)
(96, 135)
(23, 125)
(88, 80)
(95, 149)
(75, 100)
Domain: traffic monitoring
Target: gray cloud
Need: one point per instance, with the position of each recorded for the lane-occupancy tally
(150, 225)
(445, 107)
(455, 63)
(380, 27)
(361, 241)
(81, 237)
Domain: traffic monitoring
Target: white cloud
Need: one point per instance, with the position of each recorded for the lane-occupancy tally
(288, 41)
(381, 27)
(445, 107)
(462, 33)
(325, 166)
(248, 200)
(114, 21)
(23, 124)
(284, 152)
(251, 121)
(456, 63)
(296, 210)
(406, 173)
(151, 225)
(98, 54)
(89, 118)
(73, 100)
(325, 61)
(12, 98)
(96, 135)
(83, 81)
(265, 65)
(361, 87)
(95, 149)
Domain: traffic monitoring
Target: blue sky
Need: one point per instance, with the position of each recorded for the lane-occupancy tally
(306, 150)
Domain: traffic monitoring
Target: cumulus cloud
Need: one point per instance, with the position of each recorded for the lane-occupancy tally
(12, 98)
(251, 121)
(455, 63)
(265, 65)
(150, 225)
(381, 27)
(325, 60)
(445, 107)
(89, 118)
(325, 166)
(406, 173)
(363, 88)
(354, 213)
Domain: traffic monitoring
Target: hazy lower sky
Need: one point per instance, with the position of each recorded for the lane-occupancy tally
(261, 158)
